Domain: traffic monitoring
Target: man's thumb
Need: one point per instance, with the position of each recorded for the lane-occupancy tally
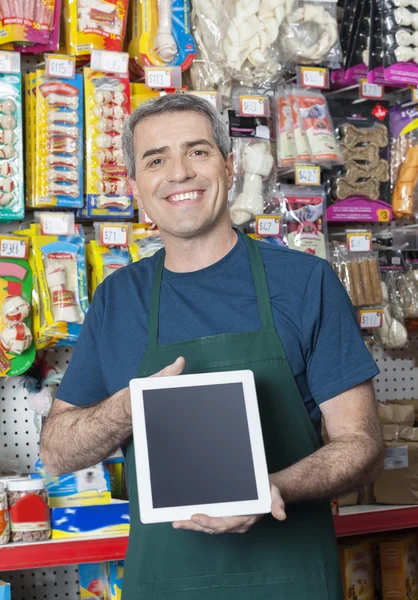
(175, 369)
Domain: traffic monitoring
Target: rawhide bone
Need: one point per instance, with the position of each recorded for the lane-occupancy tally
(369, 154)
(370, 188)
(355, 171)
(374, 135)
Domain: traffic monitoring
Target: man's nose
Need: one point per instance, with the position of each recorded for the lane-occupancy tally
(179, 169)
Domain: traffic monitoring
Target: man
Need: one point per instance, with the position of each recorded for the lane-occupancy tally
(216, 300)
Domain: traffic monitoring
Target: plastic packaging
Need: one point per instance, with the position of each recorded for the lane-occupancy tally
(4, 515)
(161, 34)
(315, 120)
(357, 58)
(57, 142)
(253, 168)
(400, 44)
(236, 40)
(360, 275)
(11, 148)
(309, 34)
(147, 239)
(29, 511)
(107, 105)
(393, 333)
(285, 132)
(376, 70)
(26, 21)
(404, 160)
(96, 24)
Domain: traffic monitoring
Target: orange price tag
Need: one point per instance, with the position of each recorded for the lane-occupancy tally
(371, 319)
(252, 106)
(267, 225)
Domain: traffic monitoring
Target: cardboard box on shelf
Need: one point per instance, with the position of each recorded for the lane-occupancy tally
(414, 402)
(391, 413)
(101, 520)
(5, 591)
(357, 570)
(399, 564)
(394, 433)
(350, 499)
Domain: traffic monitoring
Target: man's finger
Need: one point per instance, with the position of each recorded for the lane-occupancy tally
(175, 369)
(190, 526)
(222, 523)
(277, 504)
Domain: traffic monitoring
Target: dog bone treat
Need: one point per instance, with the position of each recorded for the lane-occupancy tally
(353, 135)
(375, 280)
(29, 510)
(356, 171)
(368, 188)
(355, 274)
(359, 273)
(369, 153)
(403, 192)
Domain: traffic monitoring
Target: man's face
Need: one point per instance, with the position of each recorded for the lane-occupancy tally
(181, 180)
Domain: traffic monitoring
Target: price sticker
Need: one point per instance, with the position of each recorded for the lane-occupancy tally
(211, 97)
(51, 224)
(158, 78)
(359, 242)
(314, 77)
(114, 235)
(267, 225)
(6, 62)
(371, 319)
(252, 106)
(384, 215)
(371, 90)
(13, 248)
(60, 66)
(109, 61)
(308, 175)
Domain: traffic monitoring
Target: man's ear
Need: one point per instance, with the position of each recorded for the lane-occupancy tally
(135, 192)
(229, 166)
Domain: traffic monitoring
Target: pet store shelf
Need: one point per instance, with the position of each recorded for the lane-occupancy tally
(353, 520)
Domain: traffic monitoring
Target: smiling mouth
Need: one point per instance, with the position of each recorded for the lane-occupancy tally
(193, 195)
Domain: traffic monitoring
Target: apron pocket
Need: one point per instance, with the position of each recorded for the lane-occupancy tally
(300, 583)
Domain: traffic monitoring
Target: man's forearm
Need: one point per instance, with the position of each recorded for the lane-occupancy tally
(78, 438)
(336, 469)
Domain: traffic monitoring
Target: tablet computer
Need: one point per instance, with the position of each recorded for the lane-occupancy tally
(199, 447)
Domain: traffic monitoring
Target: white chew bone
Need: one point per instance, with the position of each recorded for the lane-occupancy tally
(7, 152)
(392, 333)
(7, 107)
(7, 185)
(102, 111)
(16, 338)
(62, 189)
(404, 3)
(7, 122)
(7, 136)
(61, 276)
(257, 163)
(104, 140)
(60, 100)
(5, 169)
(62, 161)
(406, 18)
(5, 199)
(106, 125)
(54, 129)
(60, 116)
(112, 187)
(109, 156)
(164, 43)
(69, 175)
(121, 202)
(15, 309)
(404, 53)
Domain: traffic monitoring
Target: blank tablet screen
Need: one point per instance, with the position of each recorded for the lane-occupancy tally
(199, 445)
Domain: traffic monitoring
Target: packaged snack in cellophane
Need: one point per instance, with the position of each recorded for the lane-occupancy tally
(403, 124)
(107, 106)
(59, 142)
(60, 265)
(11, 148)
(315, 120)
(161, 34)
(285, 132)
(17, 352)
(147, 239)
(96, 24)
(303, 151)
(28, 21)
(360, 275)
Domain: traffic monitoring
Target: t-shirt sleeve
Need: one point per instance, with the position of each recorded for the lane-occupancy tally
(83, 384)
(335, 354)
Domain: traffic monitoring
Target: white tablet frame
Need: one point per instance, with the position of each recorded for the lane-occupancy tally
(148, 513)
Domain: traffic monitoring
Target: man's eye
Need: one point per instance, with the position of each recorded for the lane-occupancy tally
(156, 162)
(199, 153)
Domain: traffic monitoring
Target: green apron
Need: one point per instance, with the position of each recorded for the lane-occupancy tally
(291, 560)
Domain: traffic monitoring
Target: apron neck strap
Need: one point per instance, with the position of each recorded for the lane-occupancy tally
(260, 283)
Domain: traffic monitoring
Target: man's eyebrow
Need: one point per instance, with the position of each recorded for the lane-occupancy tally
(201, 142)
(153, 151)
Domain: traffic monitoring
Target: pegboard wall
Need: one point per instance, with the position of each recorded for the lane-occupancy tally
(55, 583)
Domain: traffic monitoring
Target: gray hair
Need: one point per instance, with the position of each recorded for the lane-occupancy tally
(172, 103)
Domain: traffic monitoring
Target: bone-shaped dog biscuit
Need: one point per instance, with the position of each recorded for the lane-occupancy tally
(355, 171)
(370, 188)
(353, 135)
(369, 154)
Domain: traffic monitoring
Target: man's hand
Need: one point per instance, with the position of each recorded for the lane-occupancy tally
(215, 525)
(175, 369)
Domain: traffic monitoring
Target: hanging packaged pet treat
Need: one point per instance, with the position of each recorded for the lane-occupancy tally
(303, 210)
(376, 72)
(253, 167)
(285, 132)
(309, 34)
(27, 22)
(315, 120)
(403, 123)
(60, 265)
(17, 352)
(360, 275)
(357, 58)
(12, 204)
(97, 24)
(147, 240)
(399, 23)
(359, 191)
(107, 105)
(346, 27)
(165, 38)
(59, 142)
(392, 334)
(302, 149)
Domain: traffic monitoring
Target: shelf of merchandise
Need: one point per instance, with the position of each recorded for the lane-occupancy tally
(353, 520)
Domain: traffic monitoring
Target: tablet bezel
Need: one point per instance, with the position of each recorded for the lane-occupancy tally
(148, 513)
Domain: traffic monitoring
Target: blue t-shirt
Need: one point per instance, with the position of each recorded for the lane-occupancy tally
(312, 313)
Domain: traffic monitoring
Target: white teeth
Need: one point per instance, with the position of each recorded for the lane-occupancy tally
(186, 196)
